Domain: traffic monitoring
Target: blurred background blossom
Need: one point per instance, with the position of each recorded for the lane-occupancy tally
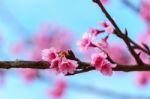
(28, 26)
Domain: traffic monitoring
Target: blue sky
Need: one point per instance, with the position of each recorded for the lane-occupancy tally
(78, 16)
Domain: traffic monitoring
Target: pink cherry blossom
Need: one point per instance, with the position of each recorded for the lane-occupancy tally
(58, 63)
(55, 65)
(109, 29)
(104, 24)
(101, 64)
(68, 66)
(95, 31)
(102, 44)
(85, 42)
(49, 54)
(97, 60)
(106, 68)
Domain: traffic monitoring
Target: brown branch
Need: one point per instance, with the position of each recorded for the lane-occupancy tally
(132, 51)
(24, 64)
(83, 66)
(118, 32)
(123, 68)
(129, 42)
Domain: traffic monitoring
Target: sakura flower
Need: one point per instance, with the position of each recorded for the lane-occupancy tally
(95, 31)
(106, 68)
(102, 44)
(85, 42)
(58, 61)
(101, 64)
(104, 24)
(97, 59)
(109, 29)
(55, 65)
(68, 66)
(49, 54)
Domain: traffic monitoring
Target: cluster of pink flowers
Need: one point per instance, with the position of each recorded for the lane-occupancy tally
(101, 64)
(46, 35)
(98, 60)
(88, 38)
(107, 26)
(59, 62)
(144, 10)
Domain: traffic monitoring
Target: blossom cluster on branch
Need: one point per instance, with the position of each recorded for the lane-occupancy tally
(101, 61)
(51, 51)
(66, 62)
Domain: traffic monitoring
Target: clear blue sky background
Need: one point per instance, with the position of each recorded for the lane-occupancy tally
(78, 16)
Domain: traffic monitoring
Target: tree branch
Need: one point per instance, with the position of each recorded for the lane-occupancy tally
(85, 66)
(123, 68)
(129, 42)
(24, 64)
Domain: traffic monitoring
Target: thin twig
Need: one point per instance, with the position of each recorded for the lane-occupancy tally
(122, 35)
